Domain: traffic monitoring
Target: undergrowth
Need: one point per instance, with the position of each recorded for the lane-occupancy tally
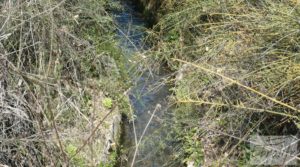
(237, 69)
(58, 60)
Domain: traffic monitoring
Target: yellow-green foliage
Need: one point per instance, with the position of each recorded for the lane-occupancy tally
(71, 150)
(107, 102)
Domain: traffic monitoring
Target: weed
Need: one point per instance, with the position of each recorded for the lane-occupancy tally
(107, 102)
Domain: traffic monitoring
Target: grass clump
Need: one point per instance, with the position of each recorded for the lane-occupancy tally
(237, 63)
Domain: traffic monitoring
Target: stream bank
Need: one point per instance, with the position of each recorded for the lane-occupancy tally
(61, 83)
(239, 74)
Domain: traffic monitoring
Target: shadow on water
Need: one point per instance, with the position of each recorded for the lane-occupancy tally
(148, 92)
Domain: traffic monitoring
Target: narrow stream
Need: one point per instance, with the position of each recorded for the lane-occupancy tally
(148, 98)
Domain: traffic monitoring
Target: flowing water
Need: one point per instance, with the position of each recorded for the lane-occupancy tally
(148, 98)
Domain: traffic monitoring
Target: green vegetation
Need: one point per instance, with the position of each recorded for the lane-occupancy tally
(112, 160)
(71, 150)
(107, 102)
(237, 68)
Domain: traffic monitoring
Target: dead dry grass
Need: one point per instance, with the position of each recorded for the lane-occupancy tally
(51, 82)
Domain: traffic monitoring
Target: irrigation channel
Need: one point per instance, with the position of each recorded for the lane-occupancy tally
(145, 136)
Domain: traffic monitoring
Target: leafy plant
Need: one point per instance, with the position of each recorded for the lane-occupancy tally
(107, 103)
(77, 160)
